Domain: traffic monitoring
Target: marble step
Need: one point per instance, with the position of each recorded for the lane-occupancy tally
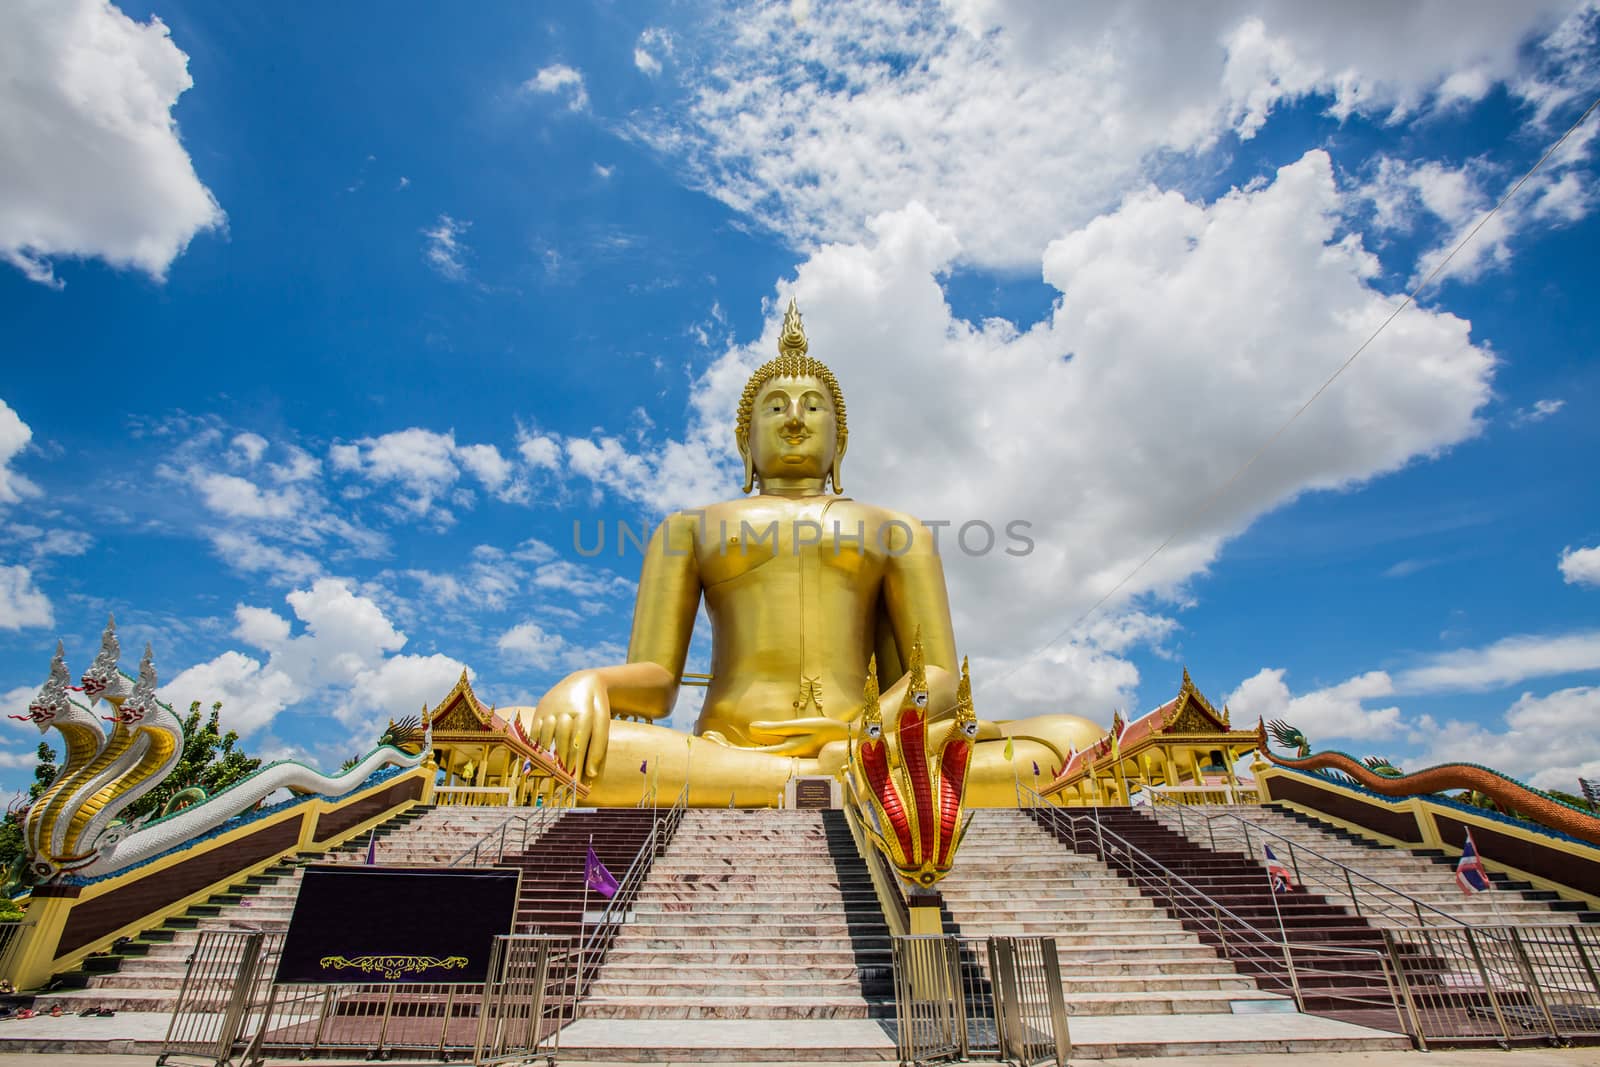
(839, 1007)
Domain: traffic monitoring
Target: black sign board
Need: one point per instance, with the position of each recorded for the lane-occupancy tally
(397, 925)
(813, 793)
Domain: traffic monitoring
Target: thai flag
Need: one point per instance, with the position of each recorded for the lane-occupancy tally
(1470, 873)
(596, 877)
(1277, 873)
(527, 767)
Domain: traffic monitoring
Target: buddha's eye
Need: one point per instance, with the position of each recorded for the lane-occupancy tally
(874, 730)
(920, 699)
(970, 729)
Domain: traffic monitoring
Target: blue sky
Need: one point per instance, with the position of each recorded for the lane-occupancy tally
(320, 337)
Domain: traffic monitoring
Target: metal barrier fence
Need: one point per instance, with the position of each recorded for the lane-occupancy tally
(963, 998)
(1499, 984)
(530, 997)
(227, 974)
(229, 1009)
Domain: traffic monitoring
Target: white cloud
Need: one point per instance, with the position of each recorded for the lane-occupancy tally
(44, 543)
(485, 461)
(580, 580)
(346, 657)
(260, 627)
(604, 172)
(1184, 336)
(234, 497)
(814, 126)
(14, 437)
(1459, 196)
(530, 644)
(561, 80)
(1581, 566)
(426, 465)
(252, 694)
(445, 251)
(90, 159)
(252, 446)
(539, 451)
(1538, 412)
(1505, 662)
(655, 45)
(1548, 741)
(1338, 711)
(22, 604)
(247, 553)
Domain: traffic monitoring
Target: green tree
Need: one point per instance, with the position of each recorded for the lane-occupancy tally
(11, 845)
(210, 760)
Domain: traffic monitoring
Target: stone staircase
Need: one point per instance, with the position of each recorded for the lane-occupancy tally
(750, 915)
(1120, 954)
(145, 972)
(1423, 874)
(1337, 957)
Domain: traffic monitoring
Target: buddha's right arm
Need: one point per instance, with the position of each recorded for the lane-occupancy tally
(663, 621)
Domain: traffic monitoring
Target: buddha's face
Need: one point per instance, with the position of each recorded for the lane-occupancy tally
(793, 429)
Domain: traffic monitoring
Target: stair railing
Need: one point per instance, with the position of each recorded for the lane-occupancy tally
(1370, 897)
(1241, 940)
(515, 833)
(594, 941)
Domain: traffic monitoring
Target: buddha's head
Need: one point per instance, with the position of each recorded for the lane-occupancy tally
(791, 416)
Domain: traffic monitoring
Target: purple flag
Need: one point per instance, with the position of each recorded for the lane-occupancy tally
(372, 847)
(643, 764)
(597, 877)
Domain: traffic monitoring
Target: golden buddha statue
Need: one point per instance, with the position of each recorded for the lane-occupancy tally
(802, 587)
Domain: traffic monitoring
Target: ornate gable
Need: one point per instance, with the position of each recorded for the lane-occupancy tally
(460, 711)
(1192, 713)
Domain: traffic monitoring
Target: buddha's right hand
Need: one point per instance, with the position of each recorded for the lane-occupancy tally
(575, 717)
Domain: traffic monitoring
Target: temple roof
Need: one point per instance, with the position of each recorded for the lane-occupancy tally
(1187, 715)
(460, 715)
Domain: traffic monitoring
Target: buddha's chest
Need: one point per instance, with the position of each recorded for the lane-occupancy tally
(831, 544)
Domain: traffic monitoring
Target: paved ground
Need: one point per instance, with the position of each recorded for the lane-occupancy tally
(1577, 1057)
(36, 1041)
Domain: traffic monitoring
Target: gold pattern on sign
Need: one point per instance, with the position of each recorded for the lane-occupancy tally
(392, 967)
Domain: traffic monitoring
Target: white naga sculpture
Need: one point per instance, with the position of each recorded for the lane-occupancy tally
(72, 827)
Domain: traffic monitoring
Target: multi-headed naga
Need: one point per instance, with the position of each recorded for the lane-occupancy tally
(73, 828)
(915, 797)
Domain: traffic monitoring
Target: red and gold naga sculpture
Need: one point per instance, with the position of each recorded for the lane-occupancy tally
(915, 798)
(1511, 795)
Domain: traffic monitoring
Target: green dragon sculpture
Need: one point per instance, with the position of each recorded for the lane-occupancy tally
(1385, 779)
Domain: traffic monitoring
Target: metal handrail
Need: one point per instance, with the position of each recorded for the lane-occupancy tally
(534, 824)
(1239, 938)
(1351, 875)
(592, 946)
(1417, 909)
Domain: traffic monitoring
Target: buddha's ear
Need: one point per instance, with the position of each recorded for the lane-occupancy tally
(749, 465)
(838, 459)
